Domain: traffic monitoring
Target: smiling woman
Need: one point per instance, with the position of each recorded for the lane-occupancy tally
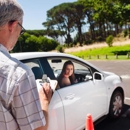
(67, 76)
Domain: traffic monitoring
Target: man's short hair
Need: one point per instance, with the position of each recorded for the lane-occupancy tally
(10, 10)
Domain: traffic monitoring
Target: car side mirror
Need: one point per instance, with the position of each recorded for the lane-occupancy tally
(97, 76)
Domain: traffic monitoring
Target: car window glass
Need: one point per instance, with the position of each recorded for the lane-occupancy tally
(56, 66)
(35, 65)
(82, 73)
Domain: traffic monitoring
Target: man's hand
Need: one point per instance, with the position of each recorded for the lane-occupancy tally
(45, 94)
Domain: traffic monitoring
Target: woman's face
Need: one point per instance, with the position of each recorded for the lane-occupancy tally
(69, 70)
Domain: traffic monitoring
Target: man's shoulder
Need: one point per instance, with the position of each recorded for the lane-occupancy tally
(20, 67)
(13, 67)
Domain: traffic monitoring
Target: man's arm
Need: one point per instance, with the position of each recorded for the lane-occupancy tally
(45, 95)
(46, 117)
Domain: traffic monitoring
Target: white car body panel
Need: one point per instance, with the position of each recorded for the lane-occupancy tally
(56, 113)
(72, 101)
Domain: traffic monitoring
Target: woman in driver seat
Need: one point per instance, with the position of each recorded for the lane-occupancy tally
(67, 76)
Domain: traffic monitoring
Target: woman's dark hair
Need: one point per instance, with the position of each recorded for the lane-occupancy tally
(72, 77)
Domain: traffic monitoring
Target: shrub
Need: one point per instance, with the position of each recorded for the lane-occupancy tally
(60, 48)
(88, 42)
(99, 39)
(109, 40)
(71, 45)
(126, 33)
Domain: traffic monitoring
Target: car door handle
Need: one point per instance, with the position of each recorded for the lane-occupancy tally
(71, 96)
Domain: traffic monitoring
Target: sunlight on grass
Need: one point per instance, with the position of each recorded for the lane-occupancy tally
(105, 53)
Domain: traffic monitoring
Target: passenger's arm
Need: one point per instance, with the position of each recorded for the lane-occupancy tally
(66, 81)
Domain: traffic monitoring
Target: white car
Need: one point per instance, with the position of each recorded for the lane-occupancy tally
(97, 92)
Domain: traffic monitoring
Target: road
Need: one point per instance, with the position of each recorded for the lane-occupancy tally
(121, 68)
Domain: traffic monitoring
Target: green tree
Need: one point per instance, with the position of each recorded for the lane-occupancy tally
(78, 16)
(36, 32)
(60, 18)
(30, 43)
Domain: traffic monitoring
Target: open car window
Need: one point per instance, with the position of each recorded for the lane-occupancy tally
(81, 71)
(56, 65)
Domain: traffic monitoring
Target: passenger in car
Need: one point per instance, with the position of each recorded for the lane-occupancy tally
(67, 76)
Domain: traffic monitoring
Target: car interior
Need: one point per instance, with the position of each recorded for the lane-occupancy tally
(81, 72)
(52, 68)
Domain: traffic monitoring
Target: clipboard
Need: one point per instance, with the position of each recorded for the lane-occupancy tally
(53, 84)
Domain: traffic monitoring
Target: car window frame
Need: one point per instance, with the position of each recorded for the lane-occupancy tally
(43, 64)
(31, 60)
(91, 69)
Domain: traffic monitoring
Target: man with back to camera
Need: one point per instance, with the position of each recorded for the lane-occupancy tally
(22, 107)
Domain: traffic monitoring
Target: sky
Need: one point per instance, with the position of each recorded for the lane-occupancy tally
(35, 12)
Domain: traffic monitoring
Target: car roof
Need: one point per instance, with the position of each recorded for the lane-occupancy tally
(31, 55)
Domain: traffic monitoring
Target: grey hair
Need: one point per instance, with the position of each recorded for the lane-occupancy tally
(10, 10)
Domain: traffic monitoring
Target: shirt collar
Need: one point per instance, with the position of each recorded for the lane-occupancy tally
(4, 50)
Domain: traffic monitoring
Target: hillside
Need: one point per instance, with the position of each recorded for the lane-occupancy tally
(117, 42)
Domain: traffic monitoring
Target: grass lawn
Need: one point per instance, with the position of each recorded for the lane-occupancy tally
(113, 53)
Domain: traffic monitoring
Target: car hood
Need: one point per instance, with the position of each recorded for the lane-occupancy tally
(109, 73)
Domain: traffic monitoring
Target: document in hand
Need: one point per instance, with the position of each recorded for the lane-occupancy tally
(53, 84)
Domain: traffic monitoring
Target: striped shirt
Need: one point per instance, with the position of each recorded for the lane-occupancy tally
(19, 101)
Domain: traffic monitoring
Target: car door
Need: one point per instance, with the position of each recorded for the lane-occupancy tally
(81, 98)
(95, 88)
(77, 102)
